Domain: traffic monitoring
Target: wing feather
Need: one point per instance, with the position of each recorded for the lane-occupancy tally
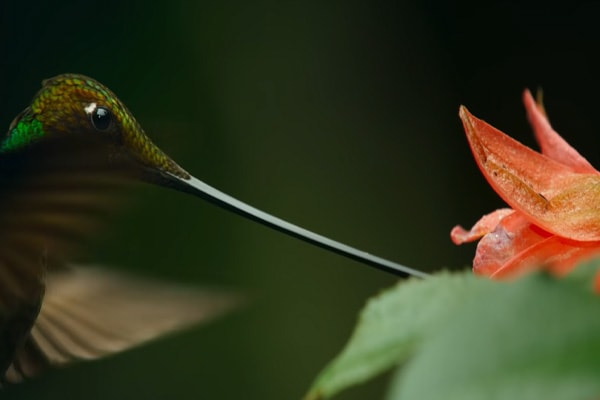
(89, 313)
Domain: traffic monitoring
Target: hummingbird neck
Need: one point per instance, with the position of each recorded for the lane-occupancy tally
(24, 130)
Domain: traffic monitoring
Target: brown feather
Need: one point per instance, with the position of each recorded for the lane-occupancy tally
(54, 194)
(90, 313)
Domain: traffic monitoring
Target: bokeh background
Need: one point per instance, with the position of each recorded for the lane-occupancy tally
(340, 116)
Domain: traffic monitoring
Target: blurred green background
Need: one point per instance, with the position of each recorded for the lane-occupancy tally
(339, 116)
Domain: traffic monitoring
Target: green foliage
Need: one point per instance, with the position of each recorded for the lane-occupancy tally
(463, 337)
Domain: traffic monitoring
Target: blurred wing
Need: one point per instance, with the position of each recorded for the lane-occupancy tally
(89, 313)
(53, 194)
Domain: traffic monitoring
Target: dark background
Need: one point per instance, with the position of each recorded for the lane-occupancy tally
(341, 117)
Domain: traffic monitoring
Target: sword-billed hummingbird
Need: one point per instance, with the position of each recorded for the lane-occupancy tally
(63, 163)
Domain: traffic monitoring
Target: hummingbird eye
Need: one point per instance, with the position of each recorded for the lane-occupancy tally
(101, 118)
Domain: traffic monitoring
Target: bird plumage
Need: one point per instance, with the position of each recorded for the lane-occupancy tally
(60, 179)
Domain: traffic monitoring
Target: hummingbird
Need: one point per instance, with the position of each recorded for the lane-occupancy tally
(65, 163)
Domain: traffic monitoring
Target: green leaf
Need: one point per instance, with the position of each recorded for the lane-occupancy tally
(392, 325)
(463, 337)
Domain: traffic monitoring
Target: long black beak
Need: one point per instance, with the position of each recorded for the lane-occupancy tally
(198, 188)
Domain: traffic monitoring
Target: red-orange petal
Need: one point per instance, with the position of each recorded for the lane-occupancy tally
(485, 225)
(551, 195)
(553, 254)
(551, 143)
(513, 235)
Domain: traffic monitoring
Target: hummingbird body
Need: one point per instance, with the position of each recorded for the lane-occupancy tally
(65, 163)
(19, 313)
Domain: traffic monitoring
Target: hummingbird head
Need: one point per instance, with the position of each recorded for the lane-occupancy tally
(76, 107)
(76, 127)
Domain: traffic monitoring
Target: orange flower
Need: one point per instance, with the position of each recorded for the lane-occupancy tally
(554, 221)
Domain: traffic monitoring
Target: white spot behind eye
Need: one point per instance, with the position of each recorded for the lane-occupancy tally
(90, 108)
